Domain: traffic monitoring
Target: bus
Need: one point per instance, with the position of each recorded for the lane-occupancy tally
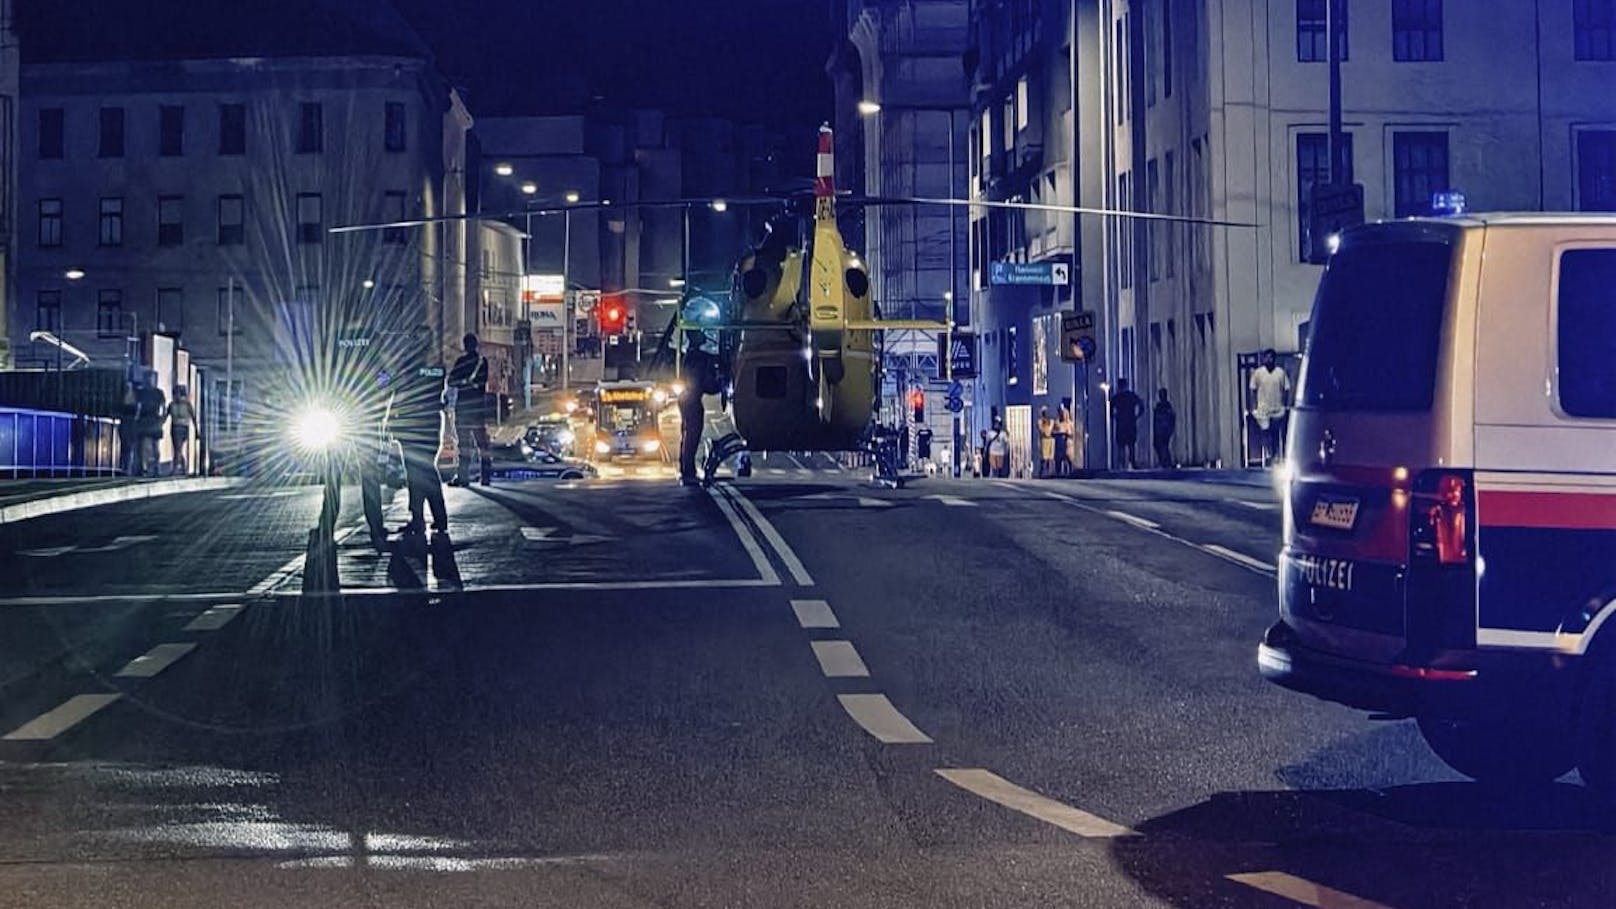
(628, 421)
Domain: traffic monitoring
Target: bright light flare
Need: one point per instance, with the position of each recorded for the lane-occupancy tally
(317, 428)
(603, 447)
(651, 446)
(572, 198)
(678, 389)
(572, 407)
(504, 169)
(659, 396)
(869, 108)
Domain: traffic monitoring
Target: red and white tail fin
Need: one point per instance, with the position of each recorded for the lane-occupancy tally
(825, 176)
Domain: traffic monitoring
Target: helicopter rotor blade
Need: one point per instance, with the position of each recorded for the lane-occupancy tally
(874, 201)
(716, 203)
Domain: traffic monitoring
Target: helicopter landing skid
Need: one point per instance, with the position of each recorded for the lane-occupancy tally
(720, 450)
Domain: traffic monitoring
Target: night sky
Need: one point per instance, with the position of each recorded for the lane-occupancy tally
(753, 60)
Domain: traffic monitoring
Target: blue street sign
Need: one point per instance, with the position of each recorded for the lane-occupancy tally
(956, 390)
(955, 405)
(1046, 273)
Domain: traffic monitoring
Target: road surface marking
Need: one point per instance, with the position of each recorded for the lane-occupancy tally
(778, 471)
(954, 501)
(1239, 558)
(215, 618)
(793, 459)
(682, 584)
(123, 492)
(1259, 506)
(997, 789)
(748, 541)
(814, 614)
(781, 548)
(1303, 891)
(72, 712)
(1058, 497)
(49, 552)
(1135, 520)
(839, 660)
(275, 494)
(119, 543)
(1006, 484)
(880, 719)
(867, 502)
(155, 660)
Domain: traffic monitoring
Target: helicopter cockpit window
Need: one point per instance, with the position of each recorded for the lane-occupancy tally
(858, 282)
(771, 382)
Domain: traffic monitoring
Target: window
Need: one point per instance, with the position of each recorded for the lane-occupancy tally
(310, 128)
(309, 217)
(232, 220)
(48, 311)
(111, 132)
(393, 210)
(1312, 27)
(231, 301)
(1419, 168)
(1152, 190)
(50, 222)
(170, 220)
(1023, 114)
(171, 131)
(1594, 22)
(1119, 63)
(1586, 333)
(1167, 49)
(112, 221)
(1596, 170)
(1416, 30)
(1010, 124)
(1353, 362)
(232, 129)
(1147, 9)
(1124, 234)
(1313, 169)
(109, 314)
(1169, 205)
(170, 313)
(394, 135)
(225, 406)
(52, 142)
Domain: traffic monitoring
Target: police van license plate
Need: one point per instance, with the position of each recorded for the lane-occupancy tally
(1336, 514)
(1330, 574)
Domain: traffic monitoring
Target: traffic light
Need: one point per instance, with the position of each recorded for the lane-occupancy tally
(917, 403)
(613, 316)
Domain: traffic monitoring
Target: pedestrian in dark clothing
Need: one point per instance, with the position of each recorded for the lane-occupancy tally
(417, 423)
(1163, 422)
(467, 384)
(1126, 409)
(153, 412)
(983, 467)
(128, 432)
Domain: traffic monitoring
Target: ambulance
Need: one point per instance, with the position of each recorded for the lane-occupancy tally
(1450, 492)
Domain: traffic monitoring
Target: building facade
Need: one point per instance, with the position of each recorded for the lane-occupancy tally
(1220, 111)
(10, 87)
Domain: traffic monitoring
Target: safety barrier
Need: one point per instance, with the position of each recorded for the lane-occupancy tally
(44, 443)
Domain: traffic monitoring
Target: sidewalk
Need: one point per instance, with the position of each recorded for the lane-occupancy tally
(1256, 478)
(24, 499)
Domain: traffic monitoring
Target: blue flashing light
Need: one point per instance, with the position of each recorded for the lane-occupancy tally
(1448, 202)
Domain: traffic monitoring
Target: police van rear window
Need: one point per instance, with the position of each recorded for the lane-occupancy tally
(1377, 327)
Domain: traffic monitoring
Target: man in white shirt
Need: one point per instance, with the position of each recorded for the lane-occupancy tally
(1270, 389)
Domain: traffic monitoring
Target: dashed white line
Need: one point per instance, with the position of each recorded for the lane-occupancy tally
(1303, 891)
(1258, 506)
(1006, 484)
(1059, 497)
(876, 715)
(954, 501)
(155, 660)
(793, 564)
(867, 502)
(215, 617)
(839, 660)
(53, 723)
(997, 789)
(1239, 558)
(1135, 520)
(814, 614)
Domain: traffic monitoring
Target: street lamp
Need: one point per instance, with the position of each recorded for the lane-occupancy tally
(75, 274)
(504, 169)
(529, 188)
(869, 108)
(719, 205)
(572, 198)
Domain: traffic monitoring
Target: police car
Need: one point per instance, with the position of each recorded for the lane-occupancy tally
(1450, 500)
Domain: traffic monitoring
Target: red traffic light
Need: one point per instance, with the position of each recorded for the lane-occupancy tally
(613, 318)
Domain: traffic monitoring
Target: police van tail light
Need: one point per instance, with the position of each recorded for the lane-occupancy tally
(1442, 518)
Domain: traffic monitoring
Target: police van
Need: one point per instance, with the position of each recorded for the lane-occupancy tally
(1450, 492)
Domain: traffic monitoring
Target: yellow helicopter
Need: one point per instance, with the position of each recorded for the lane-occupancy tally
(800, 354)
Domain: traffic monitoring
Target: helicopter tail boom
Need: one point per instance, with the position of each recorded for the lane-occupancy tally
(825, 176)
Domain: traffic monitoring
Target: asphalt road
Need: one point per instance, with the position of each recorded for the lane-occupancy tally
(794, 690)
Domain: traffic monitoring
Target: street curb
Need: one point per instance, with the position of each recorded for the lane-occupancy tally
(73, 501)
(1259, 479)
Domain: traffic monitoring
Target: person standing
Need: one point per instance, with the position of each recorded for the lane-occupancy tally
(468, 383)
(1163, 423)
(153, 405)
(1065, 430)
(982, 456)
(1270, 389)
(417, 422)
(702, 372)
(1126, 409)
(182, 422)
(129, 430)
(1046, 442)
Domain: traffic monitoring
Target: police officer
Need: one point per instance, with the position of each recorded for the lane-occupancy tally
(700, 372)
(467, 383)
(417, 422)
(364, 349)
